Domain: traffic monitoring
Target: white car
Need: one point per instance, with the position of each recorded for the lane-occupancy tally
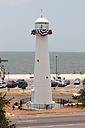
(75, 95)
(2, 84)
(77, 81)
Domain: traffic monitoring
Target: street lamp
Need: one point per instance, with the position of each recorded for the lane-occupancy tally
(56, 67)
(8, 75)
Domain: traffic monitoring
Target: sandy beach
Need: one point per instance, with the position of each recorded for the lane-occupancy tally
(30, 76)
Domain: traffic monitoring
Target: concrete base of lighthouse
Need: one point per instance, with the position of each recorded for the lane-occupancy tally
(41, 101)
(33, 106)
(40, 105)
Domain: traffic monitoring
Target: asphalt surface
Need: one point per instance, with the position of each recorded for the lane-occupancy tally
(64, 121)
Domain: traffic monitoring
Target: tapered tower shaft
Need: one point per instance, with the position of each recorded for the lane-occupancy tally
(41, 94)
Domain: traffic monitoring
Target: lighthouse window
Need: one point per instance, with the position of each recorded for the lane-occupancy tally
(46, 77)
(41, 26)
(37, 60)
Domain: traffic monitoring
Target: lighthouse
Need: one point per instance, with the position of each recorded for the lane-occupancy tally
(41, 93)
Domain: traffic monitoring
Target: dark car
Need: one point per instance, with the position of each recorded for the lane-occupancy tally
(54, 83)
(11, 84)
(21, 83)
(83, 81)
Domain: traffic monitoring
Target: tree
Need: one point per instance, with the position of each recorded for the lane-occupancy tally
(82, 97)
(4, 122)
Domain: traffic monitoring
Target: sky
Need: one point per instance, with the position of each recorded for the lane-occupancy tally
(66, 19)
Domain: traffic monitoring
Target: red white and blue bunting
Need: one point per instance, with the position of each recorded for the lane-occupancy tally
(43, 32)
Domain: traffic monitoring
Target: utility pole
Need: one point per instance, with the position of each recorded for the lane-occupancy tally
(56, 67)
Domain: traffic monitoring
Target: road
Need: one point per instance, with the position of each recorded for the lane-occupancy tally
(51, 121)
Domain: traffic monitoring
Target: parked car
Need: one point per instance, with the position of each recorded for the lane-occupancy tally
(11, 84)
(83, 81)
(75, 95)
(61, 83)
(54, 83)
(21, 83)
(67, 82)
(77, 81)
(2, 84)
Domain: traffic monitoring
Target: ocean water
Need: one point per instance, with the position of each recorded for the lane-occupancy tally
(23, 62)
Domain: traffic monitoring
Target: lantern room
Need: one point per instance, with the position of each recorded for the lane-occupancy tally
(41, 27)
(41, 23)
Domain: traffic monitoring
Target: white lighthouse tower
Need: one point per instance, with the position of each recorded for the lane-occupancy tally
(41, 93)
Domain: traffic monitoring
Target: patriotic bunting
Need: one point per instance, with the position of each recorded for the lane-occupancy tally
(43, 32)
